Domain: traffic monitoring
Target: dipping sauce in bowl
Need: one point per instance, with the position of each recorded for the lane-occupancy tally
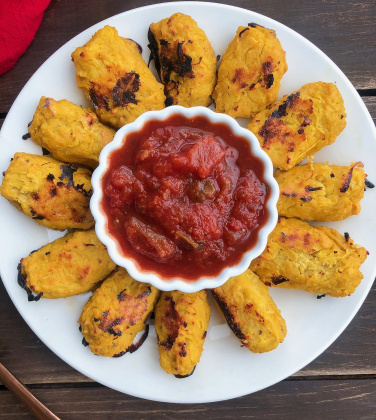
(185, 197)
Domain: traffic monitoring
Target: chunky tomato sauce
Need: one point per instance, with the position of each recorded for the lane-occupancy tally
(185, 197)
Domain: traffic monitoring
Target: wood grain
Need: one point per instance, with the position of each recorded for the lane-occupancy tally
(344, 30)
(40, 411)
(306, 399)
(370, 103)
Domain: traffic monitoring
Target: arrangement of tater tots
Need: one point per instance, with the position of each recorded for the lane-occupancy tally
(54, 190)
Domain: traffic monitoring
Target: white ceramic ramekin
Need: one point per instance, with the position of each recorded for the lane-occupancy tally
(154, 278)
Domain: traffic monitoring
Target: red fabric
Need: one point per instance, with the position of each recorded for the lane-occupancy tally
(19, 22)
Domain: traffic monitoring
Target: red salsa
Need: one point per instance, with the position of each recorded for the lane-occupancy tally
(184, 197)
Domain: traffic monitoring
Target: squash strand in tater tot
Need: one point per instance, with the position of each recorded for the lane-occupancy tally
(320, 192)
(181, 322)
(117, 311)
(66, 267)
(317, 259)
(250, 312)
(184, 59)
(300, 124)
(249, 76)
(54, 194)
(115, 78)
(70, 133)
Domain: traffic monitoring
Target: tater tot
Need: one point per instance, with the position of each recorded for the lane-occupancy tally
(250, 312)
(300, 124)
(181, 322)
(320, 192)
(65, 267)
(184, 59)
(249, 76)
(117, 311)
(54, 194)
(114, 77)
(70, 133)
(317, 259)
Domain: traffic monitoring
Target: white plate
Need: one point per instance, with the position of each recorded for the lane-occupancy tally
(226, 370)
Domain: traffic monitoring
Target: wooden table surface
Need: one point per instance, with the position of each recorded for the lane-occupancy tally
(340, 384)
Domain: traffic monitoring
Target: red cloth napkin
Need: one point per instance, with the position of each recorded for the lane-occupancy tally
(19, 22)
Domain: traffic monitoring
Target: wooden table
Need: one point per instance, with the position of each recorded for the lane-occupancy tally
(340, 384)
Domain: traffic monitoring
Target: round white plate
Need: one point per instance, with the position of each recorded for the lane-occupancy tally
(226, 370)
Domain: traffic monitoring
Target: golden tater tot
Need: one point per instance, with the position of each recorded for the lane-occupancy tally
(249, 77)
(54, 194)
(313, 258)
(300, 124)
(70, 133)
(65, 267)
(320, 192)
(184, 60)
(181, 322)
(250, 312)
(117, 311)
(115, 78)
